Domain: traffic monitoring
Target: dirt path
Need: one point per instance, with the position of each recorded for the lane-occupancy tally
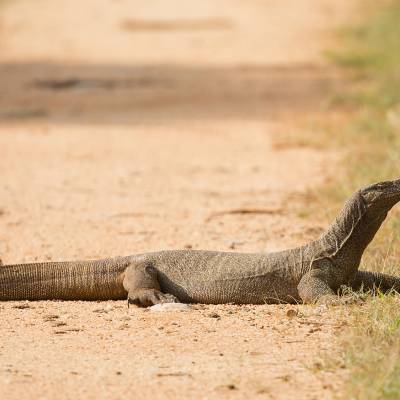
(127, 127)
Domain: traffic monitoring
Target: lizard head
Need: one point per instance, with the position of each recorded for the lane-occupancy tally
(381, 197)
(358, 222)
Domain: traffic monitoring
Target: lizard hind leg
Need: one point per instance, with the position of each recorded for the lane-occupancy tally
(141, 283)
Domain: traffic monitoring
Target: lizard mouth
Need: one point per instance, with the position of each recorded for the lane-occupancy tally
(396, 187)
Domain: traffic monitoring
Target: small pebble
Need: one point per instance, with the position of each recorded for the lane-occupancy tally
(50, 317)
(99, 310)
(292, 313)
(23, 306)
(169, 307)
(59, 323)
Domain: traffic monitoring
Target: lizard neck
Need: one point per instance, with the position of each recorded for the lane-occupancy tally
(344, 242)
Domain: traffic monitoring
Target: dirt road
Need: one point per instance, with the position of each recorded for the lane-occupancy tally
(127, 127)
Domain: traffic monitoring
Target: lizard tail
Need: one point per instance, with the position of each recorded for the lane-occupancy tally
(82, 280)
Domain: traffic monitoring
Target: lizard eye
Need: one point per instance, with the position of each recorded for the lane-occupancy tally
(381, 186)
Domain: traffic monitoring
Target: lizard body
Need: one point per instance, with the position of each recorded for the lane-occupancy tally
(310, 273)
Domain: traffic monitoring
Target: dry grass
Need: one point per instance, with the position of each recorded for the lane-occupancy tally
(371, 346)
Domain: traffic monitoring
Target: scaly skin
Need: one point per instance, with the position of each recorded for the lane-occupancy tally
(308, 274)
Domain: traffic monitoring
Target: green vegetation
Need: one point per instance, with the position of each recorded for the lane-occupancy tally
(371, 54)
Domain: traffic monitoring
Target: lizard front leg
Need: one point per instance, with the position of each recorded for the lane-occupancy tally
(141, 283)
(375, 281)
(314, 288)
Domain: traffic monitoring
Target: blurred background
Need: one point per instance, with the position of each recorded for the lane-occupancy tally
(137, 120)
(117, 61)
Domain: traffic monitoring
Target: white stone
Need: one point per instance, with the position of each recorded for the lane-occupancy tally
(169, 307)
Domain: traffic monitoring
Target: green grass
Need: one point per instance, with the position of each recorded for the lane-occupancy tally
(371, 55)
(373, 52)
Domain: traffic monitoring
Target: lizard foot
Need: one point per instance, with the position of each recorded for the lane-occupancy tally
(150, 297)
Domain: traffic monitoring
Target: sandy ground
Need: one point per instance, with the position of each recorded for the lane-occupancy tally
(127, 127)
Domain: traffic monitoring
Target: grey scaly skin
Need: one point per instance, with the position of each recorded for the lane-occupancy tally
(310, 273)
